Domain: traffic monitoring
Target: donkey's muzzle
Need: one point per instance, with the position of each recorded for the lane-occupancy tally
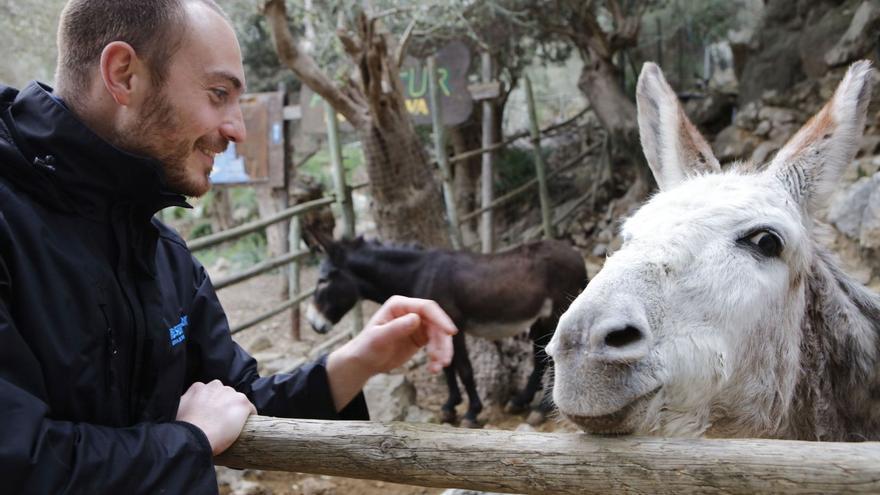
(318, 321)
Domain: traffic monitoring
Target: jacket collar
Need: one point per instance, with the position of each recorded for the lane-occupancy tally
(90, 172)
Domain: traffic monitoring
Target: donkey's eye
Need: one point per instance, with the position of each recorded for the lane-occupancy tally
(764, 241)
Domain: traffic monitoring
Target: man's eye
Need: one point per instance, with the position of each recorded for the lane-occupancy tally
(220, 93)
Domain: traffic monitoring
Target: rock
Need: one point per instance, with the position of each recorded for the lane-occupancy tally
(244, 487)
(318, 486)
(261, 343)
(870, 145)
(848, 206)
(723, 74)
(734, 143)
(389, 397)
(580, 240)
(747, 117)
(415, 414)
(763, 129)
(615, 244)
(501, 367)
(775, 64)
(458, 491)
(825, 25)
(234, 483)
(711, 113)
(764, 152)
(859, 168)
(605, 236)
(859, 36)
(869, 234)
(778, 115)
(592, 268)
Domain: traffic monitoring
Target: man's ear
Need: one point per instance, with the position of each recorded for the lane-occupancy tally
(119, 66)
(674, 148)
(812, 161)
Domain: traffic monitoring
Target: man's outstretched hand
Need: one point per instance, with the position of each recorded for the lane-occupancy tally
(393, 335)
(219, 411)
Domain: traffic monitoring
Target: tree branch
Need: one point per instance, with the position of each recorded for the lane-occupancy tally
(404, 43)
(304, 66)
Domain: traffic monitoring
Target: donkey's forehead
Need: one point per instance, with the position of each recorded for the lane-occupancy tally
(325, 266)
(718, 202)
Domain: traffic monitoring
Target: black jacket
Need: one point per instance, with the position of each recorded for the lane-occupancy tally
(106, 319)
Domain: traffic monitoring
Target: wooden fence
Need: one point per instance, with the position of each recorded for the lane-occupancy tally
(517, 462)
(342, 197)
(557, 463)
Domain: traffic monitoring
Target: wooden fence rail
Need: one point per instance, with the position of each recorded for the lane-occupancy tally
(558, 463)
(342, 196)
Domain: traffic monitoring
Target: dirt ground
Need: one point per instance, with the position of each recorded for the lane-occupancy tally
(271, 343)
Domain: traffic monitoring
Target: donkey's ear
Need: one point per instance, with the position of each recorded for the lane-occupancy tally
(673, 146)
(316, 241)
(813, 160)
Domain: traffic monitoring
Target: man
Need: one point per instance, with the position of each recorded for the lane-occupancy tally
(117, 370)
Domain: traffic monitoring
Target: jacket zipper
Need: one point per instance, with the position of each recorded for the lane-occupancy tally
(112, 349)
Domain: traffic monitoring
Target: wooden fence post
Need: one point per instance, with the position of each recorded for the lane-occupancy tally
(294, 286)
(487, 175)
(540, 169)
(440, 154)
(343, 193)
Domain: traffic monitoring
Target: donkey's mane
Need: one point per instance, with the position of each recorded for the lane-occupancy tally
(837, 392)
(360, 241)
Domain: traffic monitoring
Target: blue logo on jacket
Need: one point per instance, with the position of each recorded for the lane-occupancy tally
(176, 332)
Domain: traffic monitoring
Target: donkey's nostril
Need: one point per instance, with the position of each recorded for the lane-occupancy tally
(623, 337)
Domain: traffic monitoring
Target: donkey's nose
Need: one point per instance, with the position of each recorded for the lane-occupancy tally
(619, 341)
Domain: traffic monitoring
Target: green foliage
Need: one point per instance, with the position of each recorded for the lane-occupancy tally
(318, 166)
(202, 228)
(516, 166)
(674, 33)
(262, 67)
(246, 251)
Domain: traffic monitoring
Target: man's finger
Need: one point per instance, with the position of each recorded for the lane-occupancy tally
(430, 311)
(439, 349)
(402, 325)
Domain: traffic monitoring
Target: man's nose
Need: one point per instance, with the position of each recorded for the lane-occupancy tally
(233, 128)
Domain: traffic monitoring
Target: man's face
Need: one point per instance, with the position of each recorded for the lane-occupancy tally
(195, 114)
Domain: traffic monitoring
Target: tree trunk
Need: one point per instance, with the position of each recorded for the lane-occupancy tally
(406, 201)
(222, 209)
(600, 83)
(466, 137)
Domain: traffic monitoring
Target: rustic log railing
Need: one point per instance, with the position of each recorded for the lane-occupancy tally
(558, 463)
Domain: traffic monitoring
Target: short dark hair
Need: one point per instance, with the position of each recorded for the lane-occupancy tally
(154, 28)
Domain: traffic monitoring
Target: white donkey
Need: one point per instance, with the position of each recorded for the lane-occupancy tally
(722, 315)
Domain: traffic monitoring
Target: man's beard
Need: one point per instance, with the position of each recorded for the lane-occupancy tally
(157, 134)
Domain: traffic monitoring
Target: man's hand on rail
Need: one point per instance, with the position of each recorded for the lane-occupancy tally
(393, 335)
(219, 411)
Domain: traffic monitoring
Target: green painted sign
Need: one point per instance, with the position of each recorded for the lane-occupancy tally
(452, 61)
